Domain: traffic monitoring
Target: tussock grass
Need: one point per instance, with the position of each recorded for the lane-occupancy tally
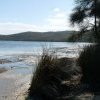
(3, 70)
(48, 79)
(89, 61)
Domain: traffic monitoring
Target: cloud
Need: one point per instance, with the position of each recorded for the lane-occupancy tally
(56, 21)
(11, 28)
(56, 9)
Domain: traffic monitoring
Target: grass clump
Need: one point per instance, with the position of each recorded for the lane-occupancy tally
(48, 79)
(3, 70)
(89, 61)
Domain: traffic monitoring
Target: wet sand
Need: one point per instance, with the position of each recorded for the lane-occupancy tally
(14, 83)
(12, 86)
(15, 76)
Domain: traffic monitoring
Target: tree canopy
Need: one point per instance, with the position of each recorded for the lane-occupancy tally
(86, 14)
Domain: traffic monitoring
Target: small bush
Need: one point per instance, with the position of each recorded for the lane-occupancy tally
(47, 80)
(89, 61)
(3, 70)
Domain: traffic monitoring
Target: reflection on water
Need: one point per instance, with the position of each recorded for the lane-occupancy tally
(21, 47)
(20, 56)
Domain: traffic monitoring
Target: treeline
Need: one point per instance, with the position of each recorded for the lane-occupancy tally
(84, 37)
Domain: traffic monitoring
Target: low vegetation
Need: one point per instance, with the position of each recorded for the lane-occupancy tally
(3, 70)
(53, 79)
(89, 61)
(60, 78)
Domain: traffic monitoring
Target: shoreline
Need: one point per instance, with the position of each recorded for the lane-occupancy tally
(13, 85)
(15, 82)
(15, 76)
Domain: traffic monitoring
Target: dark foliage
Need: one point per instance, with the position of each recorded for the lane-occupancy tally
(83, 37)
(77, 16)
(82, 14)
(48, 79)
(89, 61)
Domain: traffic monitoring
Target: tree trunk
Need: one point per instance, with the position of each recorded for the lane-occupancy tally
(96, 31)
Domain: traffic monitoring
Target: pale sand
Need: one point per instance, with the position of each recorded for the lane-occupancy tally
(12, 86)
(14, 82)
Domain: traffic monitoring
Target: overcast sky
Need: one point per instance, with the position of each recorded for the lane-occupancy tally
(34, 15)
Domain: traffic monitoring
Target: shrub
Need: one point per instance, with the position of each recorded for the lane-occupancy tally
(3, 70)
(47, 81)
(89, 61)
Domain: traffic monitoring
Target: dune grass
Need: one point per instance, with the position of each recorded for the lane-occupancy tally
(89, 61)
(51, 79)
(3, 70)
(54, 78)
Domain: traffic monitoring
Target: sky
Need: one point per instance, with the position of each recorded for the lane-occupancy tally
(35, 15)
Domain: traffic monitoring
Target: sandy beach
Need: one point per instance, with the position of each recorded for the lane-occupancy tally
(12, 87)
(15, 81)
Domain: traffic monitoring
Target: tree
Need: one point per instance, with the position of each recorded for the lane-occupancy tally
(84, 12)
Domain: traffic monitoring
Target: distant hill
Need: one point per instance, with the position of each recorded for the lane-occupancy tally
(38, 36)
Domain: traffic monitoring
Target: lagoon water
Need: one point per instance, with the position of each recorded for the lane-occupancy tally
(22, 54)
(19, 47)
(27, 47)
(19, 58)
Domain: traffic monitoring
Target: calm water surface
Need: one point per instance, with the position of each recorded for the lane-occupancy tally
(19, 47)
(13, 51)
